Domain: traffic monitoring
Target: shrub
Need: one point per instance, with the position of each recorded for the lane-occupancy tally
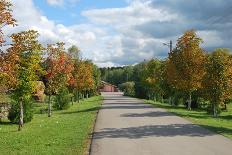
(128, 88)
(13, 115)
(62, 99)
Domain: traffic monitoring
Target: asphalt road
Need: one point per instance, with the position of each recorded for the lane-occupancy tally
(127, 126)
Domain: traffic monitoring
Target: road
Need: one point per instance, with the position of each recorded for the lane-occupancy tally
(127, 126)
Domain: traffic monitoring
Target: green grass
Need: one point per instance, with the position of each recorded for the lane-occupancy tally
(66, 132)
(221, 125)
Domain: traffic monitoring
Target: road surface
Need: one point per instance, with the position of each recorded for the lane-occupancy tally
(127, 126)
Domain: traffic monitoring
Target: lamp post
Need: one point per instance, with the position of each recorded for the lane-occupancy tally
(169, 45)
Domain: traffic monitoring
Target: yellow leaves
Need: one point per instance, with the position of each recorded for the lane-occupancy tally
(185, 67)
(217, 80)
(84, 76)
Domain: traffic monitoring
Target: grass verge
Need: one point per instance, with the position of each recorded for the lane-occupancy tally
(221, 125)
(66, 132)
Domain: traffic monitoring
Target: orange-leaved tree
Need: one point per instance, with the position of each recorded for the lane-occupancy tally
(185, 66)
(6, 18)
(58, 70)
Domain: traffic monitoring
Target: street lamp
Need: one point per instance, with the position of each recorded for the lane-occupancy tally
(169, 45)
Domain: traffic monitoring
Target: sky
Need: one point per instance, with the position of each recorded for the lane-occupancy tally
(124, 32)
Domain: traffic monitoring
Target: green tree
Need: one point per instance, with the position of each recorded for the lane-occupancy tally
(218, 79)
(26, 54)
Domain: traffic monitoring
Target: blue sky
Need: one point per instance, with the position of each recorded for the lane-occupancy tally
(125, 32)
(71, 14)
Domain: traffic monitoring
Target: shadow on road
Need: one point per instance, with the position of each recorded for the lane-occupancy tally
(154, 131)
(148, 114)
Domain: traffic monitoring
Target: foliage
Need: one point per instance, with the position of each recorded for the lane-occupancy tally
(58, 67)
(185, 66)
(22, 67)
(6, 18)
(14, 113)
(128, 88)
(62, 99)
(218, 78)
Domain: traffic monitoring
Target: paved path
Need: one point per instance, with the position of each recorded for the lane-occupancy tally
(126, 126)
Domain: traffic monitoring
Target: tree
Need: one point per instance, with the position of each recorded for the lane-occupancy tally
(88, 77)
(151, 79)
(74, 52)
(22, 67)
(218, 79)
(6, 18)
(185, 68)
(97, 78)
(58, 70)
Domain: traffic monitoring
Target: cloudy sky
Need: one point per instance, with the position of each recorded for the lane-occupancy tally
(122, 32)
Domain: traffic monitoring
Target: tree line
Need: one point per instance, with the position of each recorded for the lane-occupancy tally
(24, 61)
(189, 75)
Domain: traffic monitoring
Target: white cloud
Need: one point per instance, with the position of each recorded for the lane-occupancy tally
(136, 13)
(55, 2)
(62, 3)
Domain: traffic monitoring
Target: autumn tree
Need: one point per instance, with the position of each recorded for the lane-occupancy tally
(22, 67)
(185, 67)
(58, 70)
(6, 18)
(74, 53)
(218, 79)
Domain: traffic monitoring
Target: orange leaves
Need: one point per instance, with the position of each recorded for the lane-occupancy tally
(59, 67)
(185, 67)
(84, 76)
(5, 18)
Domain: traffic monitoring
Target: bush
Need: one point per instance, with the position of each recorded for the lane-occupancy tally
(13, 115)
(128, 88)
(62, 99)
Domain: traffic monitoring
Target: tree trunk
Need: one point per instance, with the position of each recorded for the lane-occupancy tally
(225, 104)
(49, 106)
(78, 97)
(72, 98)
(190, 101)
(162, 99)
(87, 94)
(20, 114)
(214, 110)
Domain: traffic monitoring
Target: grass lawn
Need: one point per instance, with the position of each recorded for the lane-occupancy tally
(221, 125)
(66, 132)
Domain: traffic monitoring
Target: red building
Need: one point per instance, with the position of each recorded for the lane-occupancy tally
(107, 87)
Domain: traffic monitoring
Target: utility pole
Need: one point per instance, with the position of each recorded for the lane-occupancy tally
(169, 45)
